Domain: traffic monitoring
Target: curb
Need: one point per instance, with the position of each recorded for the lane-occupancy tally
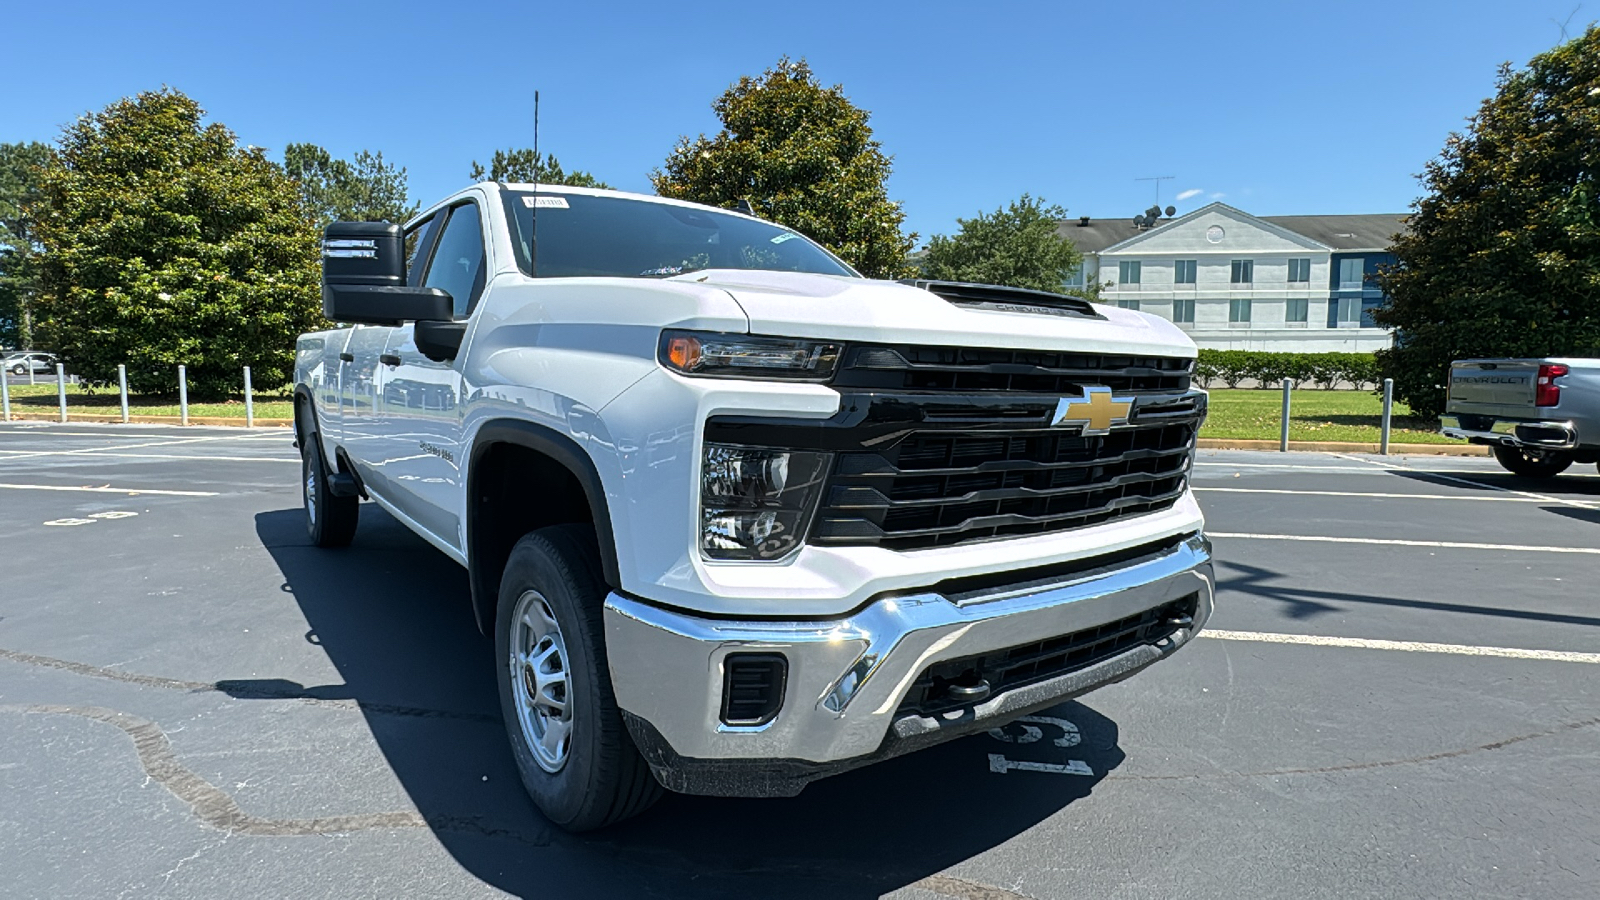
(1347, 447)
(150, 420)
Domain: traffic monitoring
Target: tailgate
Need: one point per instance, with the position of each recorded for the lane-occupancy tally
(1503, 387)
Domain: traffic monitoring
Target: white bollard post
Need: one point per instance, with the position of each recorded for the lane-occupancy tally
(1283, 434)
(61, 389)
(1388, 409)
(122, 385)
(249, 401)
(183, 395)
(5, 397)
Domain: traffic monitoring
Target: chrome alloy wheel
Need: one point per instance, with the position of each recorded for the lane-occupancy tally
(538, 672)
(311, 495)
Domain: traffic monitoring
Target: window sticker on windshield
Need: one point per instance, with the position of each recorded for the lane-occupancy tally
(786, 236)
(545, 202)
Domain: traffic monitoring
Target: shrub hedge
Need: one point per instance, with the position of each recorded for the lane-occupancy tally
(1267, 370)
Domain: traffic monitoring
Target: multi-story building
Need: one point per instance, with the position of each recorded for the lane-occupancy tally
(1240, 282)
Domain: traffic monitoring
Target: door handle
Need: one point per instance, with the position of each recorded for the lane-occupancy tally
(347, 357)
(389, 359)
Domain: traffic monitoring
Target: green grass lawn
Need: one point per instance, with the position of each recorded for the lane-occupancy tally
(41, 398)
(1235, 413)
(1314, 415)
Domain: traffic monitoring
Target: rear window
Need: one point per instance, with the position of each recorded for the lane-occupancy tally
(586, 236)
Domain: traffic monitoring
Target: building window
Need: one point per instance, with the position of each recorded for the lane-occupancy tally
(1297, 310)
(1244, 272)
(1184, 271)
(1344, 312)
(1351, 277)
(1183, 310)
(1074, 278)
(1239, 311)
(1299, 272)
(1128, 304)
(1128, 272)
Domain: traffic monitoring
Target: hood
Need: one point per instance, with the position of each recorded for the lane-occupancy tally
(802, 305)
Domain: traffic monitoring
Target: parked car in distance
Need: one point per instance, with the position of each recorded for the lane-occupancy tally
(23, 361)
(1539, 416)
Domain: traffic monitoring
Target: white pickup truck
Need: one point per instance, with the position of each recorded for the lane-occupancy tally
(738, 517)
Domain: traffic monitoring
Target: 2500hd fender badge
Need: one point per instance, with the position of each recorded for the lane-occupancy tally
(1097, 410)
(440, 452)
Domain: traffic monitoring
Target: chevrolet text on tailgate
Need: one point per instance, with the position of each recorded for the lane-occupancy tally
(1539, 416)
(737, 517)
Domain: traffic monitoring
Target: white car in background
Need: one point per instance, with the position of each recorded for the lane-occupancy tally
(23, 362)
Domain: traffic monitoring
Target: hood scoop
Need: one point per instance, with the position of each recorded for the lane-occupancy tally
(1006, 299)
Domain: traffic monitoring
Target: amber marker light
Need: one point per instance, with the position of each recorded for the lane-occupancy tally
(683, 352)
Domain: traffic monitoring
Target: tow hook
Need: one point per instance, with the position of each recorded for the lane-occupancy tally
(970, 693)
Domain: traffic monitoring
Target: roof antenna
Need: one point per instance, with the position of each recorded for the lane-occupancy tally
(533, 223)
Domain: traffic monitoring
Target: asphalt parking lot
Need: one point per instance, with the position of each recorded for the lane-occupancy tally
(196, 703)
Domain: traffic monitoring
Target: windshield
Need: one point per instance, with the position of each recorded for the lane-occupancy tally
(583, 235)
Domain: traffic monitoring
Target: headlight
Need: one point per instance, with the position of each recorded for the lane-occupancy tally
(743, 356)
(756, 503)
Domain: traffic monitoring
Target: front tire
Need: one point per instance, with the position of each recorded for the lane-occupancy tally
(572, 749)
(1532, 463)
(330, 521)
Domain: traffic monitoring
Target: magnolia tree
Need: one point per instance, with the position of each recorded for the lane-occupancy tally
(165, 242)
(802, 155)
(1016, 246)
(521, 165)
(1502, 254)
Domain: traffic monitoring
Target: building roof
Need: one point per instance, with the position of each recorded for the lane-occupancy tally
(1368, 231)
(1098, 234)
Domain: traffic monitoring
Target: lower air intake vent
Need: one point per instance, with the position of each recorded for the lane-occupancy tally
(752, 688)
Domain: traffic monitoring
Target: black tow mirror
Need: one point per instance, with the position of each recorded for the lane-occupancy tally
(364, 278)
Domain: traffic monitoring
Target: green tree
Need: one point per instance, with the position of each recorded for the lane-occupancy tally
(803, 155)
(166, 243)
(520, 165)
(20, 167)
(1016, 246)
(363, 189)
(1501, 256)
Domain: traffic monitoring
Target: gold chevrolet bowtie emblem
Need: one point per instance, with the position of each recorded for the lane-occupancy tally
(1096, 411)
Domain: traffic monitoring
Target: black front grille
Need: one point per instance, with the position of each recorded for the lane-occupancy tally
(964, 369)
(934, 489)
(984, 462)
(1024, 664)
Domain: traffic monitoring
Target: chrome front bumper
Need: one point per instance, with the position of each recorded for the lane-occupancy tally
(847, 677)
(1536, 433)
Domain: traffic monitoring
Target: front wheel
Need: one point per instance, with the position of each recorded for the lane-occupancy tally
(330, 520)
(18, 370)
(1532, 463)
(573, 751)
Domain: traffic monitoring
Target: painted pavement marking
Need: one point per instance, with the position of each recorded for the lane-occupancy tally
(1396, 542)
(106, 489)
(1405, 646)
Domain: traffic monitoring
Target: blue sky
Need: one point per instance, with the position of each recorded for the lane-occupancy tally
(1276, 108)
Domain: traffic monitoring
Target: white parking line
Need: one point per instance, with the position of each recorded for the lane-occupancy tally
(198, 458)
(1407, 646)
(1452, 545)
(106, 490)
(1543, 498)
(1225, 490)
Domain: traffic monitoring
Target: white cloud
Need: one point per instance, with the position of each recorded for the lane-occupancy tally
(1218, 195)
(1191, 192)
